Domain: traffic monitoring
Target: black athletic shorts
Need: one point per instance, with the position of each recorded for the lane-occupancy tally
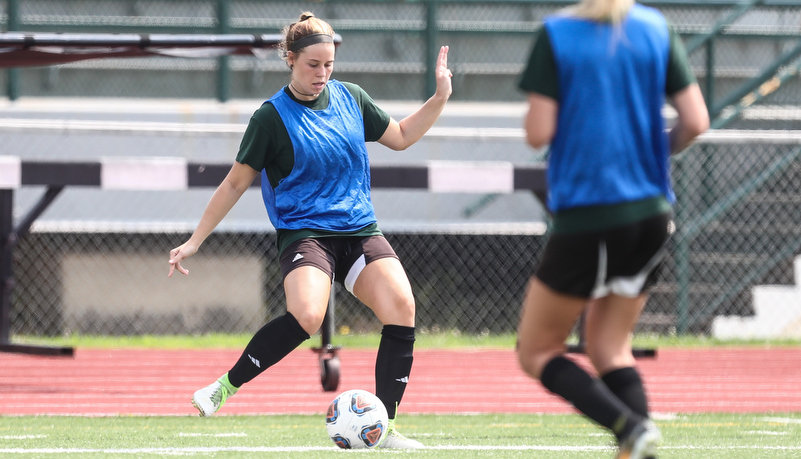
(342, 258)
(624, 260)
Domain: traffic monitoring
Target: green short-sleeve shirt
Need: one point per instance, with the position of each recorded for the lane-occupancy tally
(540, 75)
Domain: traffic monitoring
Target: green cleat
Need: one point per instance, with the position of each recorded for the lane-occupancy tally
(396, 440)
(212, 397)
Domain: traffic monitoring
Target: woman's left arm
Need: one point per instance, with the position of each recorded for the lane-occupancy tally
(401, 135)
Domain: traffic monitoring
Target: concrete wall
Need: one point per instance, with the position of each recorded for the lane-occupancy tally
(132, 290)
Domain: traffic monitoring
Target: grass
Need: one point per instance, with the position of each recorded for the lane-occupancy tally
(425, 340)
(730, 436)
(763, 435)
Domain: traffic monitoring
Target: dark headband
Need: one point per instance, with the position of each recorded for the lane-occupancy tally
(312, 39)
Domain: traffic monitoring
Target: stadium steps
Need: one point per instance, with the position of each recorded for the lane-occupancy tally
(754, 234)
(661, 314)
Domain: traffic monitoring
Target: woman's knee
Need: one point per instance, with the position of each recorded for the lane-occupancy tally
(532, 359)
(307, 290)
(404, 304)
(400, 310)
(605, 358)
(310, 319)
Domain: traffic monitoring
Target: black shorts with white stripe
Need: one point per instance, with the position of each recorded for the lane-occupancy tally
(624, 260)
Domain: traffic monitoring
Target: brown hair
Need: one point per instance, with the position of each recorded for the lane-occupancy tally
(305, 26)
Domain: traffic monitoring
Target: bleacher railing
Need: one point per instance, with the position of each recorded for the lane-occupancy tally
(391, 45)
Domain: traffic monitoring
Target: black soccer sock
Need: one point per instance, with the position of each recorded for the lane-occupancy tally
(393, 365)
(268, 346)
(589, 395)
(627, 385)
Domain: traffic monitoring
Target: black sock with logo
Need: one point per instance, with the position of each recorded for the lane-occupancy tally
(393, 365)
(589, 395)
(267, 347)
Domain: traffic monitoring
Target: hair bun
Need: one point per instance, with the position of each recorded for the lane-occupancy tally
(305, 16)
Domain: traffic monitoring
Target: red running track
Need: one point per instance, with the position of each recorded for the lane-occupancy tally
(161, 382)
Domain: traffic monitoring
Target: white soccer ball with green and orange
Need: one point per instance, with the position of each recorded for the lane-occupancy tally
(356, 419)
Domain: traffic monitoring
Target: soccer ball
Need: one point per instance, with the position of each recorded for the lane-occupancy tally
(356, 419)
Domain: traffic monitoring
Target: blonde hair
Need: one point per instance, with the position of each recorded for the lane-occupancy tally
(306, 25)
(602, 10)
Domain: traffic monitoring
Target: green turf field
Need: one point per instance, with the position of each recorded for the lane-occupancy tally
(424, 340)
(479, 436)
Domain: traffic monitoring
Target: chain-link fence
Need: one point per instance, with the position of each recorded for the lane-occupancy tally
(96, 260)
(737, 232)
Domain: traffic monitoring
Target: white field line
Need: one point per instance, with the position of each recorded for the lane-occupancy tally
(21, 437)
(233, 434)
(302, 449)
(783, 420)
(764, 432)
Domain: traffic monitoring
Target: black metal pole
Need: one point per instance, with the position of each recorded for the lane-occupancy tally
(223, 66)
(6, 278)
(12, 74)
(432, 36)
(10, 237)
(327, 330)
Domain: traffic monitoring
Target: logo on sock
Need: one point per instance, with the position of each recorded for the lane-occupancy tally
(297, 257)
(255, 361)
(404, 380)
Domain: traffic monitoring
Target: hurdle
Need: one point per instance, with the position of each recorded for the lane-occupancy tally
(177, 174)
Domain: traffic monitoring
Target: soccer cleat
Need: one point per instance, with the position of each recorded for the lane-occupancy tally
(212, 397)
(396, 440)
(641, 443)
